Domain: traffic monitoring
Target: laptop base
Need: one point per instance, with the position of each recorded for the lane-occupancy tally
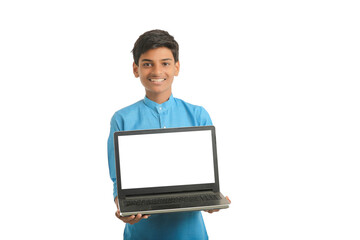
(181, 206)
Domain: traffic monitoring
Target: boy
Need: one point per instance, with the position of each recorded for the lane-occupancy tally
(156, 63)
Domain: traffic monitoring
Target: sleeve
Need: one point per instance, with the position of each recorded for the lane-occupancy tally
(115, 125)
(205, 119)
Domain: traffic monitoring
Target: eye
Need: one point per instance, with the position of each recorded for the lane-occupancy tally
(147, 65)
(166, 64)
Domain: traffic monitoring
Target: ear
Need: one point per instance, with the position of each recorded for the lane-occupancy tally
(135, 70)
(177, 68)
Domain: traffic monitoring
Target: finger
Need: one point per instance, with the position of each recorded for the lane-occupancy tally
(228, 199)
(117, 214)
(127, 219)
(212, 211)
(136, 219)
(131, 219)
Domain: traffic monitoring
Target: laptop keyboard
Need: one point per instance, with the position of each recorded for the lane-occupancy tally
(169, 200)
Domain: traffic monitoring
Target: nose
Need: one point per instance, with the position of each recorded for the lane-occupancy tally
(157, 70)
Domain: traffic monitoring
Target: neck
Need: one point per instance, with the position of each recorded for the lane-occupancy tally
(158, 98)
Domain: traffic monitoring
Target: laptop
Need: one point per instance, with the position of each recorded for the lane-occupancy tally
(167, 170)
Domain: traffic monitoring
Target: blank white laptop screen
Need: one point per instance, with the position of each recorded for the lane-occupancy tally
(166, 159)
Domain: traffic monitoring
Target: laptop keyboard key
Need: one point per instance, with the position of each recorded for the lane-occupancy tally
(172, 200)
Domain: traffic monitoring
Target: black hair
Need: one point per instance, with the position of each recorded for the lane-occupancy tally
(155, 39)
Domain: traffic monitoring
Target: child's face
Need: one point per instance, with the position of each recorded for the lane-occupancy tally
(156, 70)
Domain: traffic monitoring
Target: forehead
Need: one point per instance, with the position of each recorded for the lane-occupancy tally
(157, 54)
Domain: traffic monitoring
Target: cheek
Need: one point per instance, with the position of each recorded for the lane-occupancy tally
(143, 79)
(142, 75)
(175, 72)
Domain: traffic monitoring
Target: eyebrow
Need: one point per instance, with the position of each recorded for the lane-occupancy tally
(149, 60)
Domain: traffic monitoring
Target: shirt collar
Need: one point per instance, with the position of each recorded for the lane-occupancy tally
(159, 107)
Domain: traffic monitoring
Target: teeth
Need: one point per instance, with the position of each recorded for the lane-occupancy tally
(157, 80)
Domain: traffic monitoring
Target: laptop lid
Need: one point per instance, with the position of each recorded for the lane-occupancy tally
(169, 160)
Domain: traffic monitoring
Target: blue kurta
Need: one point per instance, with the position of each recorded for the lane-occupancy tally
(146, 114)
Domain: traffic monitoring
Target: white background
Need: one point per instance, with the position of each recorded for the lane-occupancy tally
(166, 159)
(280, 80)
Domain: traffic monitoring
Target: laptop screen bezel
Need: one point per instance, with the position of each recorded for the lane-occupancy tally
(122, 193)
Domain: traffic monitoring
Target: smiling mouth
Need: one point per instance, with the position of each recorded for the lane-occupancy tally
(157, 79)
